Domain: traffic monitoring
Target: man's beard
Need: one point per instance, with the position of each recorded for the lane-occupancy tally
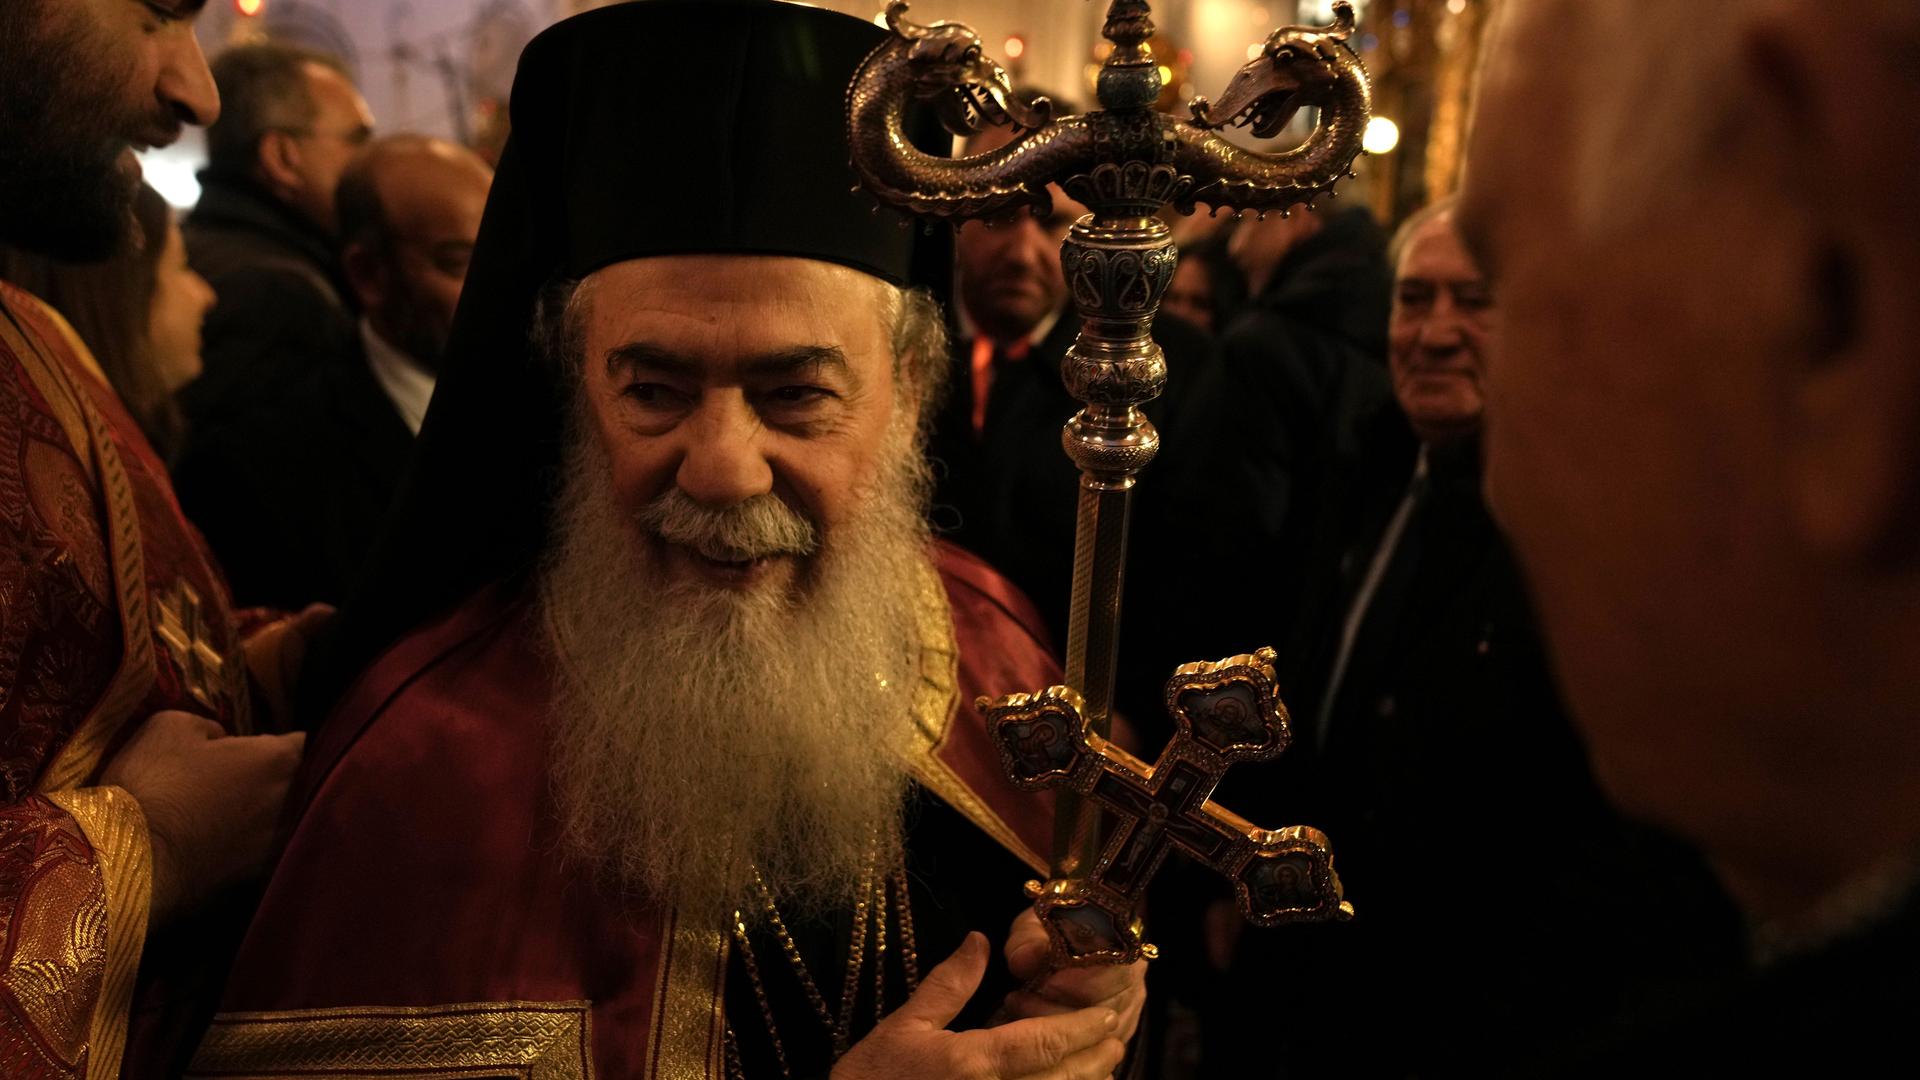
(65, 191)
(703, 733)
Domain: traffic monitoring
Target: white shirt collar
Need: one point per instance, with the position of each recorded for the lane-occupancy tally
(408, 385)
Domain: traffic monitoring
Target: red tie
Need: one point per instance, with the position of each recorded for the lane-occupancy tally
(986, 357)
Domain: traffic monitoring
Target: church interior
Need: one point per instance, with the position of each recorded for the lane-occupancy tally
(958, 539)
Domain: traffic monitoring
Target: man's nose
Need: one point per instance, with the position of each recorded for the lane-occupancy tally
(1444, 329)
(723, 462)
(185, 86)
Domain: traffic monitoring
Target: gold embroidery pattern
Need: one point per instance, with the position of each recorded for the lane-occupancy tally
(80, 758)
(55, 926)
(540, 1040)
(184, 631)
(117, 830)
(935, 708)
(690, 1011)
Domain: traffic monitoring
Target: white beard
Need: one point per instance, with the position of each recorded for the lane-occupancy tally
(702, 732)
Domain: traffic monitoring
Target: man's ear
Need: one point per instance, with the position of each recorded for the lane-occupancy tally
(1844, 111)
(278, 159)
(366, 273)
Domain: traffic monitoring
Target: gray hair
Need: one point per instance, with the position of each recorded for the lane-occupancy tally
(263, 88)
(1416, 221)
(917, 331)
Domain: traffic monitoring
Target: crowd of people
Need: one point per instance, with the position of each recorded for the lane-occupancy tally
(464, 615)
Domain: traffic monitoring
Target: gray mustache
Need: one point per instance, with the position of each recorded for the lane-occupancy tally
(758, 528)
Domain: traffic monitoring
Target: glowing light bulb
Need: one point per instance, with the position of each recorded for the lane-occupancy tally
(1015, 47)
(249, 8)
(1382, 135)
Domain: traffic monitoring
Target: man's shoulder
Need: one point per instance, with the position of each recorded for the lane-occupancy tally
(472, 678)
(984, 600)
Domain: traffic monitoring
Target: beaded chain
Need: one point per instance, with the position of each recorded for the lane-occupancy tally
(870, 911)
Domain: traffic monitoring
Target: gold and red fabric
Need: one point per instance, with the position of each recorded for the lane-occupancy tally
(429, 836)
(110, 610)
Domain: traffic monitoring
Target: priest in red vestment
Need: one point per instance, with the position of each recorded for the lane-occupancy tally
(668, 763)
(126, 816)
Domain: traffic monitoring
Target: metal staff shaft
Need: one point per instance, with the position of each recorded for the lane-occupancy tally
(1125, 162)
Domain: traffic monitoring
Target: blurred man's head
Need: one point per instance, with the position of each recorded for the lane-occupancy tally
(409, 209)
(1704, 412)
(83, 84)
(293, 121)
(741, 542)
(1258, 246)
(1437, 336)
(1010, 276)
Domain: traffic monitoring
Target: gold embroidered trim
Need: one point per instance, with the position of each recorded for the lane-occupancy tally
(538, 1040)
(117, 830)
(690, 1003)
(935, 707)
(79, 759)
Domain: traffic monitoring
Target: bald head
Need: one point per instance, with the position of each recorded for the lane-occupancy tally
(409, 209)
(1704, 413)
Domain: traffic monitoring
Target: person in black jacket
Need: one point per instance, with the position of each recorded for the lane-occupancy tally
(1218, 515)
(292, 494)
(263, 232)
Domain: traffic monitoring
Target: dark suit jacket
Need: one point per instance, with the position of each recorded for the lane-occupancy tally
(283, 307)
(1501, 902)
(291, 495)
(1010, 494)
(1845, 1008)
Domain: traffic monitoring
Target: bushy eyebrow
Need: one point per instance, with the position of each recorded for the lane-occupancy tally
(800, 360)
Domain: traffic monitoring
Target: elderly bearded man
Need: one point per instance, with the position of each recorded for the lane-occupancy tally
(686, 781)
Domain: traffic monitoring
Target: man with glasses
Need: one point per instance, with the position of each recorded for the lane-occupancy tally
(263, 233)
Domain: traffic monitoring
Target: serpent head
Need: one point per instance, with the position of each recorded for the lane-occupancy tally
(1295, 66)
(951, 74)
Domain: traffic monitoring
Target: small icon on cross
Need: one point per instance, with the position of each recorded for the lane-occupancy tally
(1224, 712)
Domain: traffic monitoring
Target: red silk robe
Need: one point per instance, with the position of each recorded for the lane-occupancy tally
(423, 922)
(110, 610)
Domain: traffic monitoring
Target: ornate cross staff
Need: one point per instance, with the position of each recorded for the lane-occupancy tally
(1125, 162)
(1223, 713)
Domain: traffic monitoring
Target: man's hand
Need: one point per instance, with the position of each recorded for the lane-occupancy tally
(275, 656)
(1121, 989)
(211, 801)
(913, 1041)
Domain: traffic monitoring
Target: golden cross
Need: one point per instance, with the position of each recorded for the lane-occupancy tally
(184, 631)
(1224, 712)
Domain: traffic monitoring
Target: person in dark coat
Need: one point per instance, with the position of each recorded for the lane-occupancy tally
(1707, 404)
(263, 231)
(1219, 518)
(292, 495)
(1501, 901)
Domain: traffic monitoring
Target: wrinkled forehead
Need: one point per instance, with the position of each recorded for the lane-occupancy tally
(721, 307)
(1435, 252)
